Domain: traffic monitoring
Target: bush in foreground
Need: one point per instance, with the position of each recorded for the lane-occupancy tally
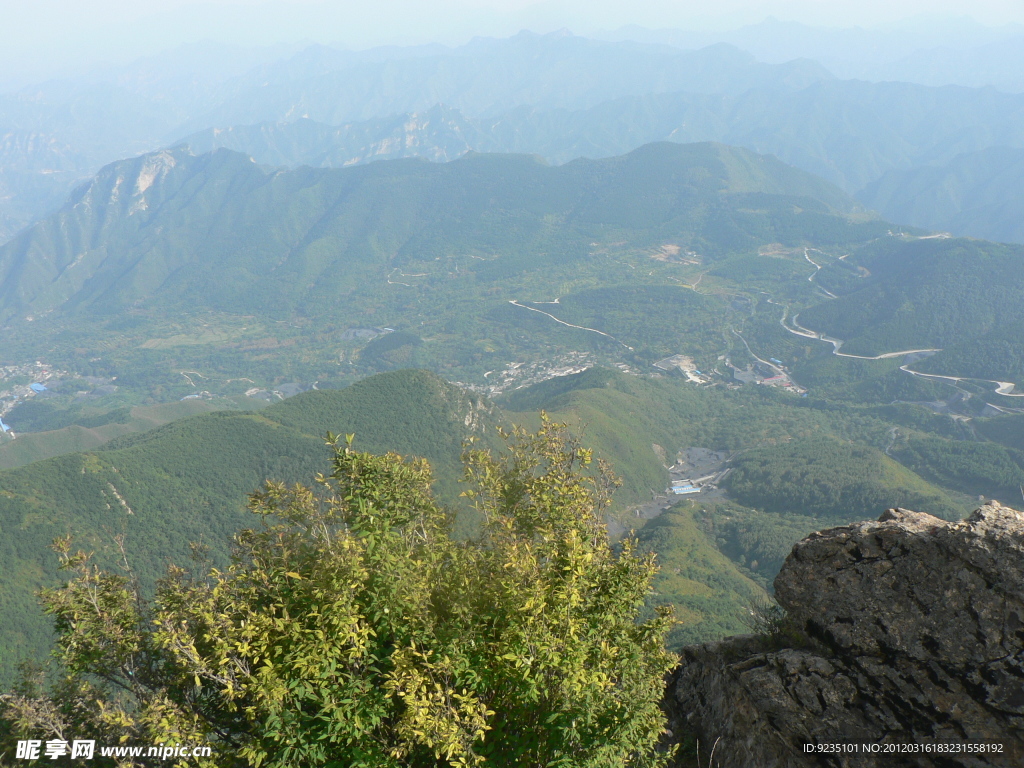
(353, 629)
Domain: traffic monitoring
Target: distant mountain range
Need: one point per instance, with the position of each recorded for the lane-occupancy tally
(487, 78)
(59, 132)
(928, 51)
(921, 140)
(558, 96)
(676, 252)
(845, 131)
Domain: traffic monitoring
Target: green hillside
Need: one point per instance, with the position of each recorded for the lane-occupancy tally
(710, 595)
(50, 438)
(756, 542)
(981, 468)
(232, 232)
(1008, 430)
(797, 465)
(831, 480)
(189, 480)
(791, 456)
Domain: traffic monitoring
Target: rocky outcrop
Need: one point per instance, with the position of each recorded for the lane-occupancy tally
(912, 653)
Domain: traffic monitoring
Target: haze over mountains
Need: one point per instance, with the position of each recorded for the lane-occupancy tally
(68, 129)
(556, 95)
(977, 194)
(848, 132)
(771, 279)
(927, 51)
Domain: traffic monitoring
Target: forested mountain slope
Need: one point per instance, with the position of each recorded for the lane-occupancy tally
(214, 264)
(188, 481)
(217, 231)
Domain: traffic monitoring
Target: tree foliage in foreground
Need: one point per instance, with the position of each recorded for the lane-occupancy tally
(352, 629)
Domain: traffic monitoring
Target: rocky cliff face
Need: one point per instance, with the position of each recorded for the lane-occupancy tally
(912, 637)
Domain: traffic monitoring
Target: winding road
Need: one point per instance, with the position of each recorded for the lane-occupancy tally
(817, 269)
(570, 325)
(1004, 388)
(777, 369)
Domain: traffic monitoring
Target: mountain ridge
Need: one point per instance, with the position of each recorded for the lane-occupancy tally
(846, 131)
(102, 249)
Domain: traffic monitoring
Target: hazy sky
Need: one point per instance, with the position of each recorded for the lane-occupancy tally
(38, 33)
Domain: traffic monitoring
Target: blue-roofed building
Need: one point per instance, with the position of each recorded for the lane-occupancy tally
(4, 427)
(37, 387)
(680, 489)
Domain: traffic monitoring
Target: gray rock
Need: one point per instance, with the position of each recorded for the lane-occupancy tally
(914, 633)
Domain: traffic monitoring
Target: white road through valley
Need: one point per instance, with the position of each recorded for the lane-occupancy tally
(817, 269)
(570, 325)
(1004, 388)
